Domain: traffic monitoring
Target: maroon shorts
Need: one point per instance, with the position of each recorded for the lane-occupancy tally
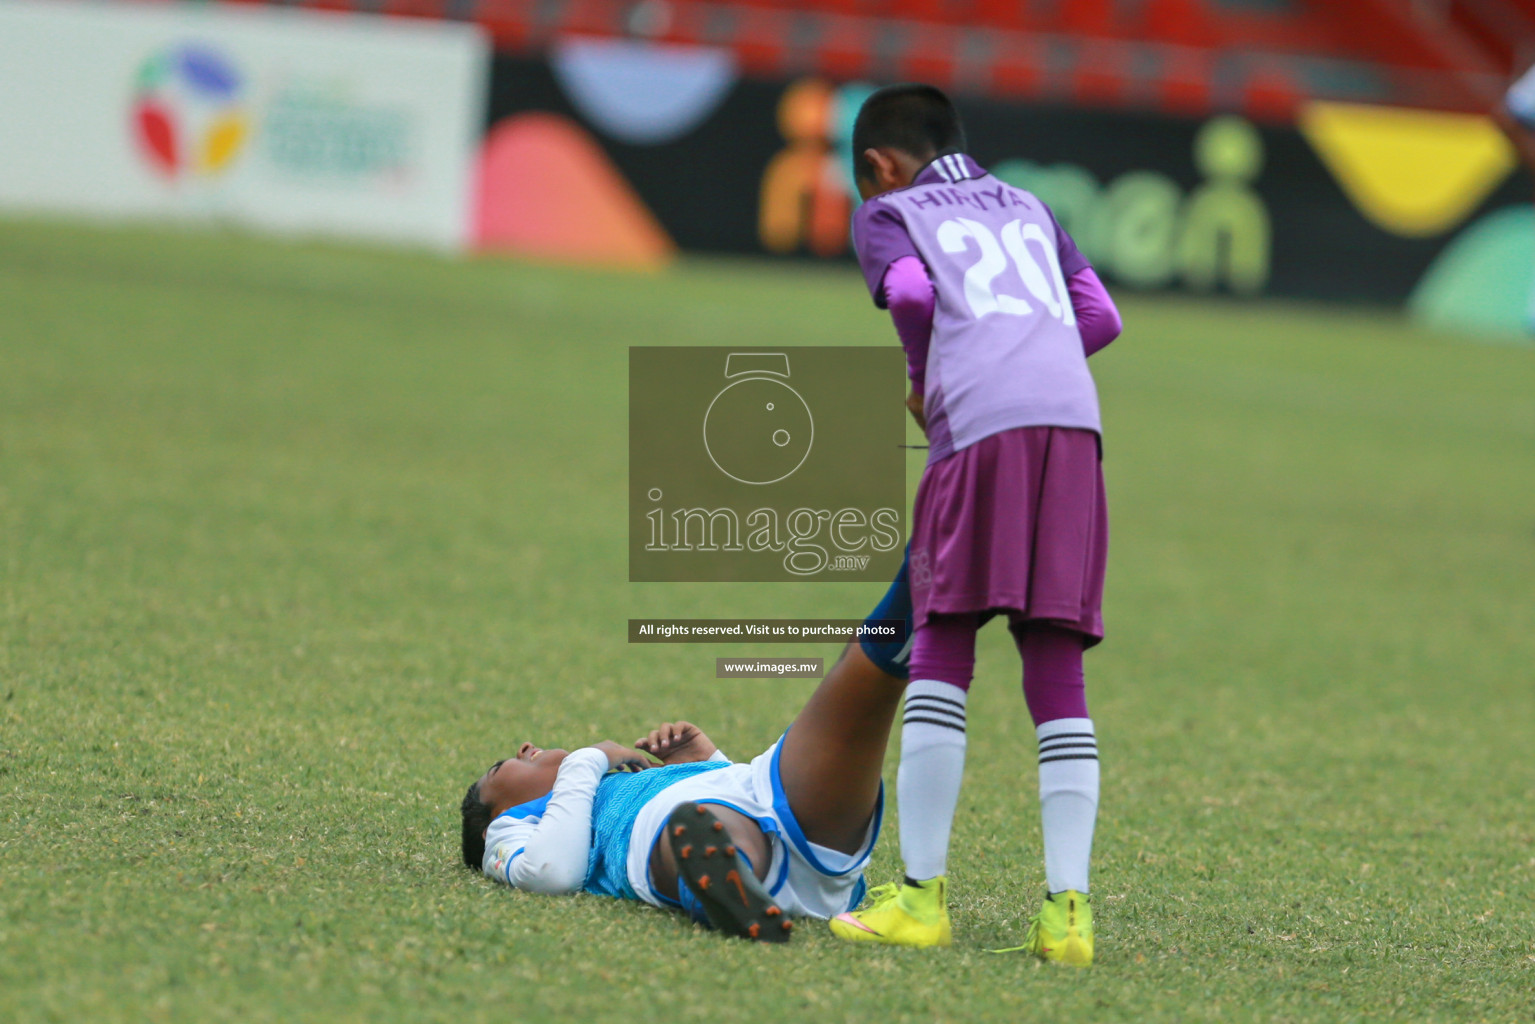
(1018, 524)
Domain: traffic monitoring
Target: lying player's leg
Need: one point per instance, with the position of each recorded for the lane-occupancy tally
(818, 790)
(915, 911)
(832, 757)
(720, 858)
(828, 766)
(740, 830)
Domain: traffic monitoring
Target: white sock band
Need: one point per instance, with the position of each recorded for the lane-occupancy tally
(932, 766)
(1068, 800)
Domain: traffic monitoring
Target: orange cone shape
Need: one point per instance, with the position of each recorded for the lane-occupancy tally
(547, 189)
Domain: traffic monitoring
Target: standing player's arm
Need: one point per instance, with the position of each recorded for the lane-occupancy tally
(918, 409)
(898, 281)
(1097, 316)
(909, 295)
(553, 858)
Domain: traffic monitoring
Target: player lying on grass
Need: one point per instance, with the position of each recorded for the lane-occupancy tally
(802, 817)
(739, 846)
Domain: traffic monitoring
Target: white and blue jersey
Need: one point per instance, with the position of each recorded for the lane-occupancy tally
(595, 832)
(620, 798)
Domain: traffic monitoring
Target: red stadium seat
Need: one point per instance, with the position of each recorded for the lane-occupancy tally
(1100, 77)
(1088, 17)
(1271, 96)
(1184, 85)
(1018, 69)
(846, 48)
(1186, 22)
(1158, 53)
(931, 58)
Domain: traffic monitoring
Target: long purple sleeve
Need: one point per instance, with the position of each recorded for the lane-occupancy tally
(908, 294)
(1097, 317)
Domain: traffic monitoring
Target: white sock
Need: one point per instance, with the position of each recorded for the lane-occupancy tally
(932, 765)
(1068, 800)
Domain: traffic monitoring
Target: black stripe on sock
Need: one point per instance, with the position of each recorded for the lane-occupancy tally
(934, 721)
(910, 707)
(954, 704)
(946, 700)
(1070, 736)
(1068, 745)
(958, 720)
(1068, 757)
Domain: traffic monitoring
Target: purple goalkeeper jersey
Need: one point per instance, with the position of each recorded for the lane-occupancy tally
(1005, 349)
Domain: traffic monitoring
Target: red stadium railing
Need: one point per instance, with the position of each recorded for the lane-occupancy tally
(1181, 56)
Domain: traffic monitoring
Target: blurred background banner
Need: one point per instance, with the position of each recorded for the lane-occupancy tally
(1343, 151)
(277, 120)
(1348, 201)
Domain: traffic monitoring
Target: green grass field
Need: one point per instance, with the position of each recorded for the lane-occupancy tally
(295, 540)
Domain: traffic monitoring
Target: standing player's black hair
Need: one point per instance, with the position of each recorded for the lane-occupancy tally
(476, 815)
(913, 118)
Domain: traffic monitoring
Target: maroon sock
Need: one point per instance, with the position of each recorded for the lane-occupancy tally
(1053, 683)
(944, 650)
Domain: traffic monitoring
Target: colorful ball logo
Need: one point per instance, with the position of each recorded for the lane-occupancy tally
(187, 114)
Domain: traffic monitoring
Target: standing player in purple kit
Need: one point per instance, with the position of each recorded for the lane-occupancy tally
(997, 312)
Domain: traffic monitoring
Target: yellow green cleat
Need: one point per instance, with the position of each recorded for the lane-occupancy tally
(900, 915)
(1062, 931)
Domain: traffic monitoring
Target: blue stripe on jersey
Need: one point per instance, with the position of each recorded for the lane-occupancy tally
(508, 871)
(797, 836)
(531, 809)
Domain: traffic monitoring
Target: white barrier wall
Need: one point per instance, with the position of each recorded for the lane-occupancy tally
(279, 120)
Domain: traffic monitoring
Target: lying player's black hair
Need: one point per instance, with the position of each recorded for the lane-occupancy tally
(476, 814)
(914, 118)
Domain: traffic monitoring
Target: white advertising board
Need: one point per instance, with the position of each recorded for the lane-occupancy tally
(278, 120)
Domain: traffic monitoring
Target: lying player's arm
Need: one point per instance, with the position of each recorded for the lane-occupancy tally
(679, 743)
(553, 859)
(1097, 316)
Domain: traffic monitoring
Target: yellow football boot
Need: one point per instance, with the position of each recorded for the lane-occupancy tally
(901, 915)
(1062, 931)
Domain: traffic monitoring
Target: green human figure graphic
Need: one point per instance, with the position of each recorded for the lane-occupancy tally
(1226, 228)
(1142, 232)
